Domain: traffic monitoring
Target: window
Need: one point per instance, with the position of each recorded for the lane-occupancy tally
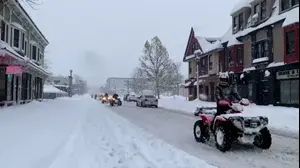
(235, 22)
(289, 91)
(250, 87)
(210, 62)
(285, 4)
(295, 2)
(25, 47)
(190, 67)
(261, 49)
(33, 54)
(290, 43)
(23, 41)
(240, 56)
(256, 9)
(241, 21)
(263, 10)
(56, 81)
(230, 58)
(38, 54)
(16, 35)
(3, 30)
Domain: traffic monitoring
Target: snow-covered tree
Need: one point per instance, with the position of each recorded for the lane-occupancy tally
(139, 81)
(176, 78)
(156, 64)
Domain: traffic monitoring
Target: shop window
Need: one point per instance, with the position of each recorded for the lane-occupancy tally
(250, 87)
(289, 91)
(290, 43)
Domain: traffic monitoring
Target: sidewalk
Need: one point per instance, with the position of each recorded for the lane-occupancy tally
(281, 119)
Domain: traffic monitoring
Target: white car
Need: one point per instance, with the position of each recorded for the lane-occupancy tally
(131, 98)
(147, 101)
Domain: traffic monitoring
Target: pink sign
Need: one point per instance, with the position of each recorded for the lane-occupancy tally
(13, 69)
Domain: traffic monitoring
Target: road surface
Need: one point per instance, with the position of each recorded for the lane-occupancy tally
(177, 130)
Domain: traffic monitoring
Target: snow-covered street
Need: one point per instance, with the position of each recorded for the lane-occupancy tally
(81, 133)
(177, 129)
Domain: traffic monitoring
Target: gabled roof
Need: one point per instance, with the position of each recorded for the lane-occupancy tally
(187, 45)
(208, 45)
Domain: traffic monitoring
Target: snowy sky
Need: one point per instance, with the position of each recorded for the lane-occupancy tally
(99, 39)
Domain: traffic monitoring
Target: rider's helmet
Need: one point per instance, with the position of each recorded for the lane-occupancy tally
(224, 78)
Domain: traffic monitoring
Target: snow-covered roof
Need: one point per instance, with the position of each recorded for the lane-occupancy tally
(227, 36)
(275, 64)
(249, 69)
(292, 17)
(275, 17)
(52, 89)
(241, 4)
(206, 46)
(233, 41)
(258, 60)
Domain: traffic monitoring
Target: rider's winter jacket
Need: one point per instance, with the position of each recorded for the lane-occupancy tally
(226, 92)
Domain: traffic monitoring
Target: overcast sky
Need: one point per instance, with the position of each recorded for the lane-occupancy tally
(100, 39)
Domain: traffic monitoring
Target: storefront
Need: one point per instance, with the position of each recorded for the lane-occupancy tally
(287, 85)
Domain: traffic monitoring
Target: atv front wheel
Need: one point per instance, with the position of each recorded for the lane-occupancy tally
(200, 131)
(264, 139)
(223, 138)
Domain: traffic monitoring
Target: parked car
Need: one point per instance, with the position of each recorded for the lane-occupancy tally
(132, 98)
(147, 101)
(125, 97)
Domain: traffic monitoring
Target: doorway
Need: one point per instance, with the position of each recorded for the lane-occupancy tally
(212, 91)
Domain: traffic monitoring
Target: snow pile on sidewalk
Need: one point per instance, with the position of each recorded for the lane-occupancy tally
(280, 118)
(80, 132)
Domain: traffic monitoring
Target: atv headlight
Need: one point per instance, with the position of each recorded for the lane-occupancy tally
(237, 122)
(264, 120)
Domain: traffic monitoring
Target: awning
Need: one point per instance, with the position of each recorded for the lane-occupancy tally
(189, 84)
(200, 82)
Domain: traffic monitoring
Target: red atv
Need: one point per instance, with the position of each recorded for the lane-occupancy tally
(233, 126)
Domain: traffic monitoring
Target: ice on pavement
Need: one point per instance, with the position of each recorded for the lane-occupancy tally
(81, 133)
(280, 118)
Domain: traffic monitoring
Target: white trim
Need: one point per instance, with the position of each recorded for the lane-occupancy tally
(18, 26)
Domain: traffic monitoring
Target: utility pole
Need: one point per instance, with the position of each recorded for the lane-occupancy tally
(197, 58)
(70, 83)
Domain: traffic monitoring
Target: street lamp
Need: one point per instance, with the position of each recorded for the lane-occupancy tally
(197, 54)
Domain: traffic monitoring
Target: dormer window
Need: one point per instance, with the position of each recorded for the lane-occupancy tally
(16, 39)
(288, 4)
(241, 21)
(256, 9)
(263, 10)
(235, 22)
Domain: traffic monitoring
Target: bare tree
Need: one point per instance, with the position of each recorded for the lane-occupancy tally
(157, 65)
(139, 81)
(32, 3)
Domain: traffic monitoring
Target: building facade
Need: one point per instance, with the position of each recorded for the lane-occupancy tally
(22, 47)
(119, 85)
(261, 48)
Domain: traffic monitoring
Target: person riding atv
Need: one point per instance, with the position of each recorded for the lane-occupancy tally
(225, 90)
(115, 96)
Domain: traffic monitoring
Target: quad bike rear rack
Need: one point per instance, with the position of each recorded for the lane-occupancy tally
(205, 110)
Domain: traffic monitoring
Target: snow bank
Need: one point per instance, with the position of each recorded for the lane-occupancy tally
(80, 132)
(280, 118)
(52, 89)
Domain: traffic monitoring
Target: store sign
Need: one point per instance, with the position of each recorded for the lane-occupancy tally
(288, 74)
(13, 69)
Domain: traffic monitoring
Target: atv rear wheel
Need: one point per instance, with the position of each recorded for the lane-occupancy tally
(223, 138)
(264, 139)
(200, 133)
